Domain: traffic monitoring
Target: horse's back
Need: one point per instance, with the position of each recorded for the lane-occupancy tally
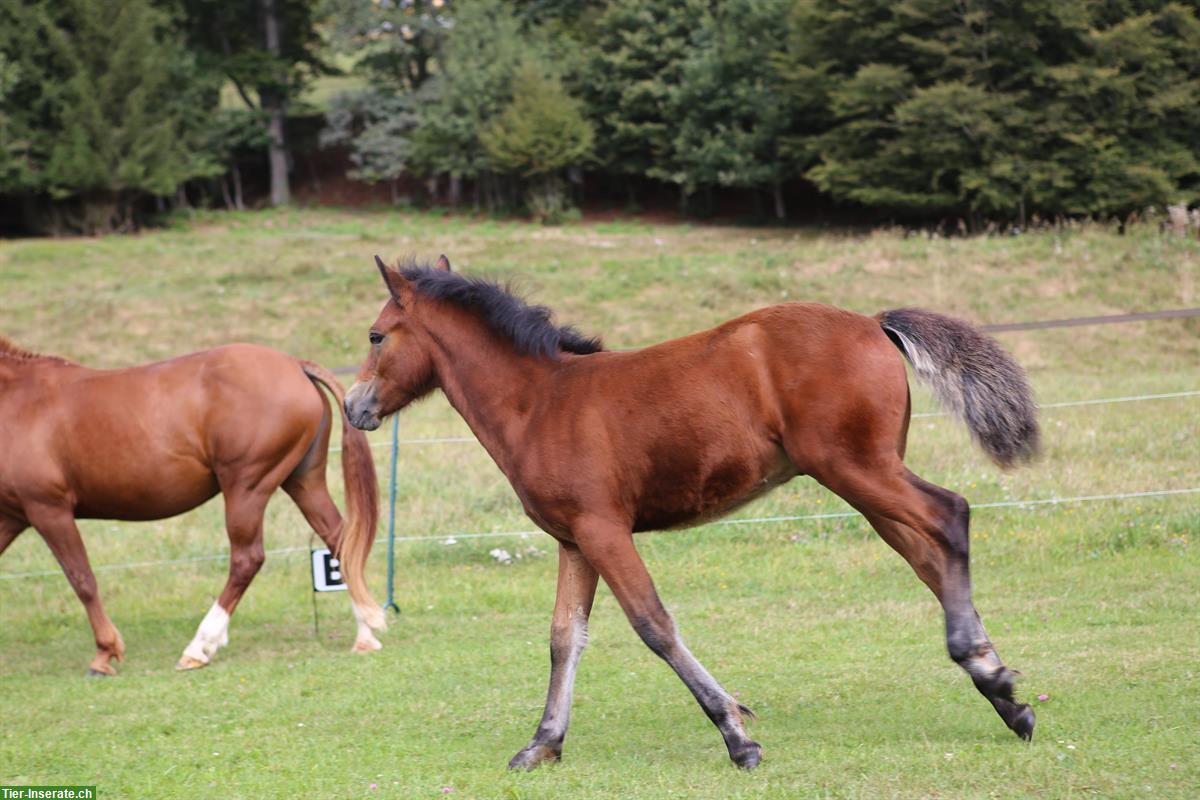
(699, 424)
(151, 441)
(811, 348)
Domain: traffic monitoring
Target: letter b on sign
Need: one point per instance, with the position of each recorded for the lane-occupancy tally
(326, 572)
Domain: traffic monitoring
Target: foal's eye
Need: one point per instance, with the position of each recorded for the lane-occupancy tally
(375, 337)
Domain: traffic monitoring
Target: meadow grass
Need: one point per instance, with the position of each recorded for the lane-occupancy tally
(818, 626)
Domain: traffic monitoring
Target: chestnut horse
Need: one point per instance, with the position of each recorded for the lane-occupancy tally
(599, 445)
(153, 441)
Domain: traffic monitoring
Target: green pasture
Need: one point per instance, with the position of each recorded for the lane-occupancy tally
(816, 624)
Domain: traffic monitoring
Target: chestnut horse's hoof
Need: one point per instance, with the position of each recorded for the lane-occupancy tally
(187, 662)
(748, 756)
(1023, 722)
(366, 645)
(99, 673)
(534, 756)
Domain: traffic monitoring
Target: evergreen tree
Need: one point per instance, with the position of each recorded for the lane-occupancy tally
(226, 137)
(637, 54)
(98, 110)
(732, 110)
(14, 142)
(1062, 107)
(377, 125)
(1122, 125)
(395, 46)
(478, 62)
(539, 135)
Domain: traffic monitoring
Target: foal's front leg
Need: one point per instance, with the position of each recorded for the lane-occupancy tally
(611, 551)
(568, 636)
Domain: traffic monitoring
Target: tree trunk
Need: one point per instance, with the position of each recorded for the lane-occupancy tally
(455, 190)
(313, 174)
(125, 220)
(277, 150)
(274, 102)
(238, 202)
(777, 193)
(225, 195)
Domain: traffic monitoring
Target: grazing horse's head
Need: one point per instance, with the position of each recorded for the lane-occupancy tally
(398, 368)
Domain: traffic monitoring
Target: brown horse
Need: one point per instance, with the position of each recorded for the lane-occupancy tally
(599, 445)
(154, 441)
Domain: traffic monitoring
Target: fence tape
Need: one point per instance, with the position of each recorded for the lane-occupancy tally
(1045, 501)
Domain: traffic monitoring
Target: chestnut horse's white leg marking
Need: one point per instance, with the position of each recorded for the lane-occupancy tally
(364, 641)
(212, 634)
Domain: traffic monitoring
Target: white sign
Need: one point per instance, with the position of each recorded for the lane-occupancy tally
(326, 572)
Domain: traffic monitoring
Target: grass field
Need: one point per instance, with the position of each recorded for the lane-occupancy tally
(819, 627)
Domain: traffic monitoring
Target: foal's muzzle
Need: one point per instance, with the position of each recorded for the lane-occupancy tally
(362, 407)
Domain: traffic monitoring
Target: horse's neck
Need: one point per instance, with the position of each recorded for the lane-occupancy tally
(15, 371)
(493, 392)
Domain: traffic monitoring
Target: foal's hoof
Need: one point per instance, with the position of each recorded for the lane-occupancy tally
(534, 756)
(748, 756)
(99, 673)
(1023, 722)
(187, 662)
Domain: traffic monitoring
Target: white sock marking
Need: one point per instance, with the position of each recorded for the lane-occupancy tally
(365, 640)
(212, 634)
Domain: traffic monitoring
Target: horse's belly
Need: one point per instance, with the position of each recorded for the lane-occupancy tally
(128, 496)
(680, 501)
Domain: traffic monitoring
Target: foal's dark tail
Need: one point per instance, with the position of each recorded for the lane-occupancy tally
(972, 377)
(362, 503)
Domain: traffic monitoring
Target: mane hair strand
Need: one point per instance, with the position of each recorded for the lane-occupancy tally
(530, 328)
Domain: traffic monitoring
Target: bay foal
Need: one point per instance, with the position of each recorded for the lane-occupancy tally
(599, 445)
(154, 441)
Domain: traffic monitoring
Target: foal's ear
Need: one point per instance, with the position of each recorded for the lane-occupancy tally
(391, 278)
(442, 263)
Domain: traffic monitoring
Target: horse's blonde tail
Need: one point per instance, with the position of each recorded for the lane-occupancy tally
(362, 504)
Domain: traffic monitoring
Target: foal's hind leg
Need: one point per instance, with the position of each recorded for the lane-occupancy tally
(311, 496)
(609, 548)
(57, 527)
(928, 525)
(244, 523)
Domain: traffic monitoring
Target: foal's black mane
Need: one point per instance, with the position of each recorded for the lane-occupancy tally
(529, 327)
